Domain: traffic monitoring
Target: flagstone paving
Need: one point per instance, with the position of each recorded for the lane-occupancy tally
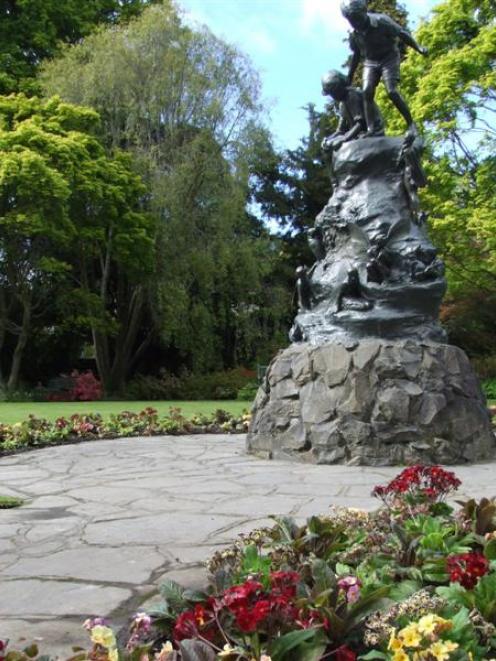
(104, 522)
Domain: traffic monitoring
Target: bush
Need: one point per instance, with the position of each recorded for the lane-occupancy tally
(77, 387)
(248, 393)
(489, 388)
(189, 387)
(485, 367)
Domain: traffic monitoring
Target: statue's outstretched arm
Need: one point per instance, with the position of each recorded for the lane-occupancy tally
(408, 39)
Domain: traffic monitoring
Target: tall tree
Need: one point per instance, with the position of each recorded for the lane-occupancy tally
(186, 106)
(33, 30)
(69, 215)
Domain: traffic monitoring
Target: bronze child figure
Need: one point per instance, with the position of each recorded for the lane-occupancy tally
(352, 122)
(375, 39)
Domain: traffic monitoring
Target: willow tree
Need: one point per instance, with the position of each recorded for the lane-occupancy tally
(186, 106)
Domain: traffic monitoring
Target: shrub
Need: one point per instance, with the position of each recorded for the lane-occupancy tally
(489, 388)
(152, 388)
(86, 388)
(485, 366)
(76, 387)
(190, 387)
(248, 393)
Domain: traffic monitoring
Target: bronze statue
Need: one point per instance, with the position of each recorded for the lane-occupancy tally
(352, 121)
(375, 40)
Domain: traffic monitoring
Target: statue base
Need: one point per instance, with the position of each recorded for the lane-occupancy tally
(373, 402)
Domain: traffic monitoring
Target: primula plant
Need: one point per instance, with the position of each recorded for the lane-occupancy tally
(412, 580)
(36, 432)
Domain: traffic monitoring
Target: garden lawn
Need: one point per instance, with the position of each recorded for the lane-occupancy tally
(12, 412)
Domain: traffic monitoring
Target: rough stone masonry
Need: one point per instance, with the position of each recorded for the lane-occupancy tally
(375, 403)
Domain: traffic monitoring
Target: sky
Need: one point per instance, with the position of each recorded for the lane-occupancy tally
(291, 43)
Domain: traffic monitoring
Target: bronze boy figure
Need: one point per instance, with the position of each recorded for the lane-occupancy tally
(375, 39)
(352, 123)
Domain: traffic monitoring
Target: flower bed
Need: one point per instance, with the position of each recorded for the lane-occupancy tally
(37, 432)
(415, 579)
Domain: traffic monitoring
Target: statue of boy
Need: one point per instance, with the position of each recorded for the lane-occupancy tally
(375, 39)
(352, 122)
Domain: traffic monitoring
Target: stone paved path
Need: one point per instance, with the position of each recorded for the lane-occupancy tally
(106, 521)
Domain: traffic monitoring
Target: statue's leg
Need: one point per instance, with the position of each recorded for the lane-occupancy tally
(391, 78)
(371, 78)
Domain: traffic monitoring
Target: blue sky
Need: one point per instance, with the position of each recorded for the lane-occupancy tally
(291, 43)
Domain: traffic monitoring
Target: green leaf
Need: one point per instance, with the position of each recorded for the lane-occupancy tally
(343, 570)
(173, 595)
(490, 550)
(31, 651)
(279, 649)
(374, 654)
(323, 576)
(403, 590)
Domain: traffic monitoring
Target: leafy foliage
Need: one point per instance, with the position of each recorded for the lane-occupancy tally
(38, 432)
(70, 215)
(186, 106)
(452, 94)
(33, 30)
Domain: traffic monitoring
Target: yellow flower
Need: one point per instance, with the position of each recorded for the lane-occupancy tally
(103, 636)
(395, 644)
(401, 656)
(113, 654)
(427, 624)
(410, 636)
(164, 653)
(441, 650)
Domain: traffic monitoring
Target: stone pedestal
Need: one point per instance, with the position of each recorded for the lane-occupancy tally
(372, 402)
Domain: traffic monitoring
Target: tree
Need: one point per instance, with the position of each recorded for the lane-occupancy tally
(452, 94)
(33, 30)
(185, 106)
(71, 219)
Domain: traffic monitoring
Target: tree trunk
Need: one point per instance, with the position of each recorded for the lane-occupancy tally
(116, 357)
(15, 370)
(3, 332)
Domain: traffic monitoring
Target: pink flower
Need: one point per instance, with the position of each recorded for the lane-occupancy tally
(94, 622)
(351, 586)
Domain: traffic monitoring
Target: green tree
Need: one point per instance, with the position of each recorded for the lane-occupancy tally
(452, 95)
(186, 106)
(33, 30)
(71, 224)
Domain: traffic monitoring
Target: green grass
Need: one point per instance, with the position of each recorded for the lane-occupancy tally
(10, 413)
(8, 502)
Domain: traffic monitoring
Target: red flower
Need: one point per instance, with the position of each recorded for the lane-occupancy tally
(431, 482)
(248, 619)
(467, 568)
(185, 627)
(3, 647)
(284, 583)
(240, 594)
(344, 653)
